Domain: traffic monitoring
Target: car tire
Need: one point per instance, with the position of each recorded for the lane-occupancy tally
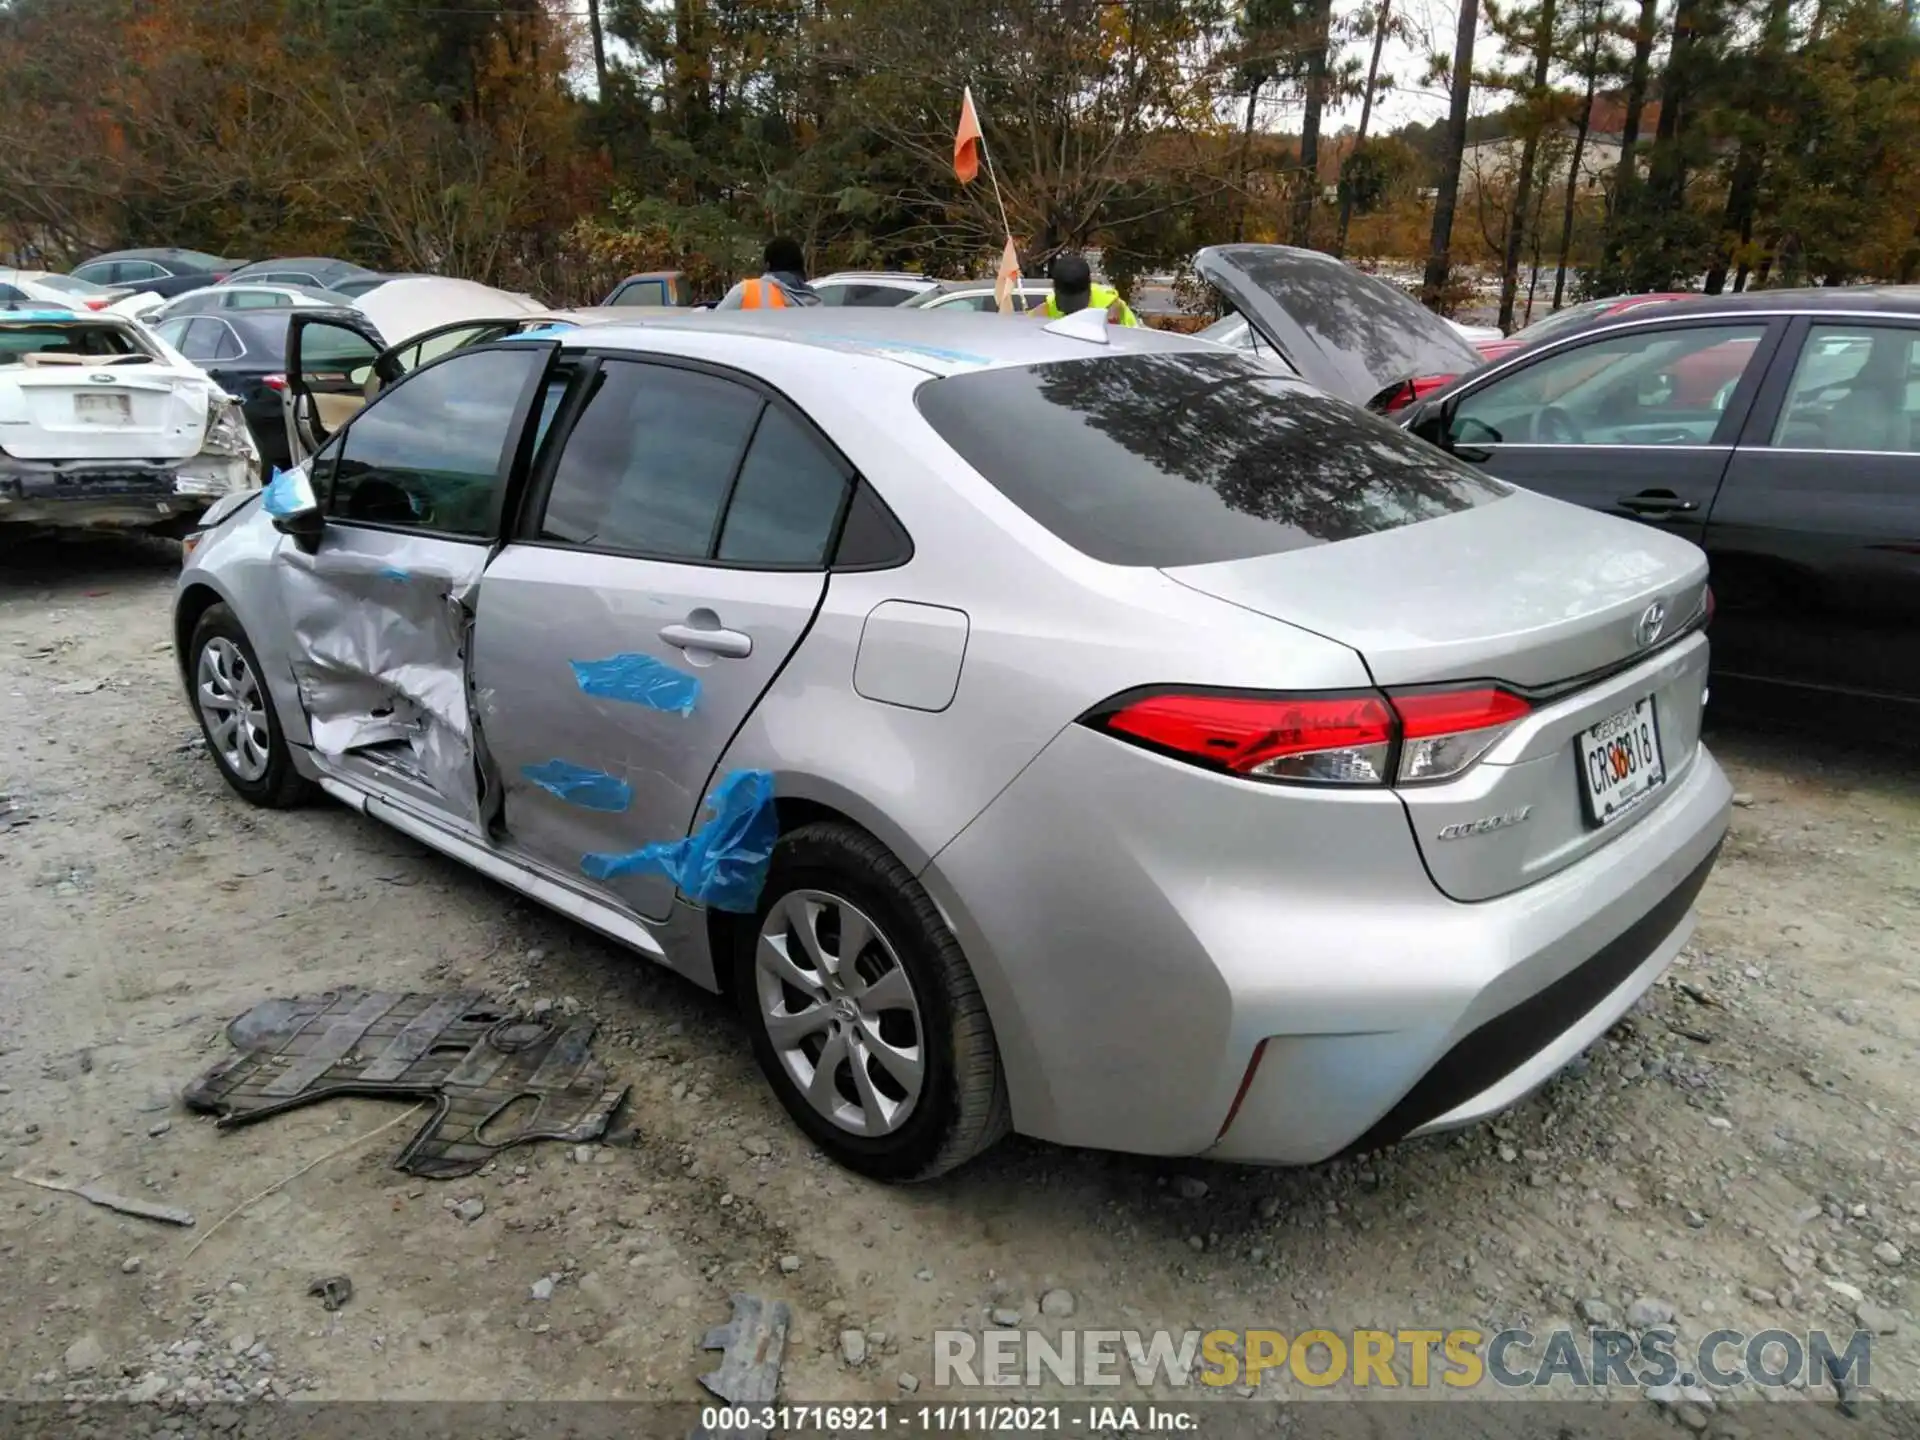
(253, 757)
(828, 876)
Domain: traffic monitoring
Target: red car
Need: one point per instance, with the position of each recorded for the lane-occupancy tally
(1558, 320)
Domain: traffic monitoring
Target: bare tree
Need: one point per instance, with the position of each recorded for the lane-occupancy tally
(1433, 290)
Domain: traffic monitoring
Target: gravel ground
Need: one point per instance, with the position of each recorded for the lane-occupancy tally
(1739, 1152)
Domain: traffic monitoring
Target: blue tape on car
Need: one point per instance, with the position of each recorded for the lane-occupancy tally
(577, 785)
(279, 498)
(396, 574)
(721, 865)
(639, 680)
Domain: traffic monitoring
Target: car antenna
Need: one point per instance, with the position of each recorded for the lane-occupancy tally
(1087, 324)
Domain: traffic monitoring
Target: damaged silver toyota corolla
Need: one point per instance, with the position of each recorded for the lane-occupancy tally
(1086, 732)
(103, 424)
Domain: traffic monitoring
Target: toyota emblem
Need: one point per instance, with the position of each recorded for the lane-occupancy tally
(1652, 621)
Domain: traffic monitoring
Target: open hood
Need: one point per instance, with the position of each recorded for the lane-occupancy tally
(1349, 334)
(402, 309)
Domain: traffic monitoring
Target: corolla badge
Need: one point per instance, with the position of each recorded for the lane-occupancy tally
(1652, 621)
(1462, 829)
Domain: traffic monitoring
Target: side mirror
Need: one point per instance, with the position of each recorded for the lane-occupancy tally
(290, 501)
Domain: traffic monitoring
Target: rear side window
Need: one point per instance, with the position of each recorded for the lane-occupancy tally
(787, 499)
(648, 465)
(1187, 458)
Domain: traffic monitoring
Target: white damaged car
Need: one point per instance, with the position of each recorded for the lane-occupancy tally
(103, 424)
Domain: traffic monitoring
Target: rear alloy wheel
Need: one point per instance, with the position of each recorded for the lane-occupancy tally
(863, 1013)
(236, 715)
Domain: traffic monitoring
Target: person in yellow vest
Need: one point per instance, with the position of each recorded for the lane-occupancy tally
(783, 286)
(1073, 290)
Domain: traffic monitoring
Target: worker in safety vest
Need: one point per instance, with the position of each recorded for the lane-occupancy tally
(1073, 290)
(784, 284)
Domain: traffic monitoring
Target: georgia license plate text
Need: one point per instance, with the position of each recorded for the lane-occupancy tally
(1620, 761)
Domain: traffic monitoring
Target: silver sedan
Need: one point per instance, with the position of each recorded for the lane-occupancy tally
(1079, 731)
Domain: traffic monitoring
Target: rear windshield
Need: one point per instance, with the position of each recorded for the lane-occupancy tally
(1186, 458)
(75, 339)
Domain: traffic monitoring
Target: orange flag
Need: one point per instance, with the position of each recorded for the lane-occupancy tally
(1006, 278)
(966, 140)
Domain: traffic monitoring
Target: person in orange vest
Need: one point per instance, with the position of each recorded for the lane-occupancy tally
(784, 284)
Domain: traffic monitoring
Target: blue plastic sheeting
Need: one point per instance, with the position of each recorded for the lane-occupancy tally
(577, 785)
(279, 497)
(639, 680)
(545, 332)
(395, 574)
(721, 865)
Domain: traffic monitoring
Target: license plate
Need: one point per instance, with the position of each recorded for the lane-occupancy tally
(1620, 762)
(102, 409)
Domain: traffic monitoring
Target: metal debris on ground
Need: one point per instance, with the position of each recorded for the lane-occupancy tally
(498, 1078)
(753, 1343)
(334, 1291)
(141, 1209)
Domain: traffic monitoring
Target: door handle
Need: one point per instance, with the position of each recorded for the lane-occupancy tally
(730, 643)
(1655, 503)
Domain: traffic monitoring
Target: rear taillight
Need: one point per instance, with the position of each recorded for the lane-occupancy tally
(274, 382)
(1355, 737)
(1709, 619)
(1398, 397)
(99, 302)
(1443, 732)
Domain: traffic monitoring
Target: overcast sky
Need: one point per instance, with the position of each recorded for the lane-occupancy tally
(1411, 98)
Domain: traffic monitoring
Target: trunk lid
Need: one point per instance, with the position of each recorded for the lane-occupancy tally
(1549, 599)
(125, 409)
(1348, 333)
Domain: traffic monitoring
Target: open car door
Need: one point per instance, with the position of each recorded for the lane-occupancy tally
(338, 360)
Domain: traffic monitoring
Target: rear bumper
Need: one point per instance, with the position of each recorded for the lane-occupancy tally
(1142, 933)
(114, 493)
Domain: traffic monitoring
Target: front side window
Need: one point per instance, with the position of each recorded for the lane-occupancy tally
(427, 453)
(101, 272)
(642, 292)
(1185, 458)
(330, 353)
(648, 466)
(1648, 387)
(1855, 387)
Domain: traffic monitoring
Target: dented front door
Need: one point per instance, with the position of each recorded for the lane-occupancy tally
(380, 611)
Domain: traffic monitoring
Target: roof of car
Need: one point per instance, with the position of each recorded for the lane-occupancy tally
(193, 257)
(938, 342)
(905, 276)
(1875, 299)
(304, 262)
(956, 287)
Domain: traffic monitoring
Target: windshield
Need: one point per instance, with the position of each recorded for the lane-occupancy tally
(65, 340)
(67, 285)
(1184, 458)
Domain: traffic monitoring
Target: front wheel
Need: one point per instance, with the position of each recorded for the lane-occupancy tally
(863, 1014)
(236, 714)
